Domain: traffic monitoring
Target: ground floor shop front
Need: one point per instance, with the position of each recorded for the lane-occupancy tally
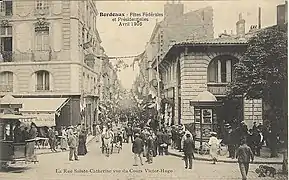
(60, 110)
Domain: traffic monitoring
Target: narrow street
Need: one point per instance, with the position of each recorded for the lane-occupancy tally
(119, 167)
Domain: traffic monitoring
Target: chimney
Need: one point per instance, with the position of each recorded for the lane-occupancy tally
(240, 26)
(259, 18)
(173, 11)
(282, 13)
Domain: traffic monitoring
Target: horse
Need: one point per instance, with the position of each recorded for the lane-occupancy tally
(107, 142)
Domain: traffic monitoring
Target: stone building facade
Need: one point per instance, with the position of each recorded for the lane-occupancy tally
(51, 49)
(208, 65)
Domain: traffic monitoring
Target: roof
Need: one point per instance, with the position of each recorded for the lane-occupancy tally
(41, 104)
(206, 96)
(216, 41)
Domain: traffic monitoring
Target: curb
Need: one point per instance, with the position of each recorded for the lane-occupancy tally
(50, 152)
(226, 161)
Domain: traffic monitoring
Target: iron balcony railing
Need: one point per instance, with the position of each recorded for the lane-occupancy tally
(6, 88)
(9, 56)
(42, 87)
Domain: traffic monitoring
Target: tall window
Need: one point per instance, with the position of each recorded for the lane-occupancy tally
(6, 81)
(41, 4)
(42, 40)
(221, 70)
(6, 8)
(42, 81)
(6, 43)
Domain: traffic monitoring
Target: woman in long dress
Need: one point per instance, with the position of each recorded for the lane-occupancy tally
(97, 133)
(214, 147)
(81, 147)
(63, 141)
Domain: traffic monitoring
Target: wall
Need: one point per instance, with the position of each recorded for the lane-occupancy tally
(193, 70)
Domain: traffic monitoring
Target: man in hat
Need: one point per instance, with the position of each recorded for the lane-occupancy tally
(72, 143)
(150, 148)
(137, 149)
(259, 141)
(231, 142)
(244, 154)
(188, 151)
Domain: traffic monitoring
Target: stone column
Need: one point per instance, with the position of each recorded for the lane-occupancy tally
(219, 71)
(228, 71)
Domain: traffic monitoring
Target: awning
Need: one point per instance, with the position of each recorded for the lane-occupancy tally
(42, 104)
(43, 109)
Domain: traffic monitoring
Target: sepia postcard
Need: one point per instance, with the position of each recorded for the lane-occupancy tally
(143, 90)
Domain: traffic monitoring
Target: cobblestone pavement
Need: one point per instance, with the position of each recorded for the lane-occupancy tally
(95, 166)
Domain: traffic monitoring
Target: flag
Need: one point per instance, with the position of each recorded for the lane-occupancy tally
(87, 44)
(137, 58)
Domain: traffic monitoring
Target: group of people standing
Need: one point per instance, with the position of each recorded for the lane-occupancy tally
(76, 139)
(234, 133)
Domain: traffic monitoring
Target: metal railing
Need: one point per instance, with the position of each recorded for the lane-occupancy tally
(42, 87)
(6, 88)
(9, 56)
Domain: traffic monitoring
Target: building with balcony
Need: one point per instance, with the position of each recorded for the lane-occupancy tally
(51, 49)
(208, 65)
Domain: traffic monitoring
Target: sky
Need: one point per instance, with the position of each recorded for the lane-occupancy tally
(129, 41)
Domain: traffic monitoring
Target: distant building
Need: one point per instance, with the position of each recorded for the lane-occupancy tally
(176, 26)
(110, 87)
(50, 50)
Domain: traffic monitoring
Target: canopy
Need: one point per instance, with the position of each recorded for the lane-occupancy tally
(42, 104)
(44, 109)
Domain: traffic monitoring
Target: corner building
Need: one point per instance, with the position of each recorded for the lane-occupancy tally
(50, 54)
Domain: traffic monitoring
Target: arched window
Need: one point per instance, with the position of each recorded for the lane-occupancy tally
(6, 81)
(42, 81)
(221, 69)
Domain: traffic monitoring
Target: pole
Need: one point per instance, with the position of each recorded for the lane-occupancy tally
(158, 93)
(259, 18)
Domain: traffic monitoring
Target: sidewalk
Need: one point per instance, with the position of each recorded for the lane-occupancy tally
(48, 151)
(264, 159)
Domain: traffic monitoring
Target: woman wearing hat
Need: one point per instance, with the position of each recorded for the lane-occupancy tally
(214, 146)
